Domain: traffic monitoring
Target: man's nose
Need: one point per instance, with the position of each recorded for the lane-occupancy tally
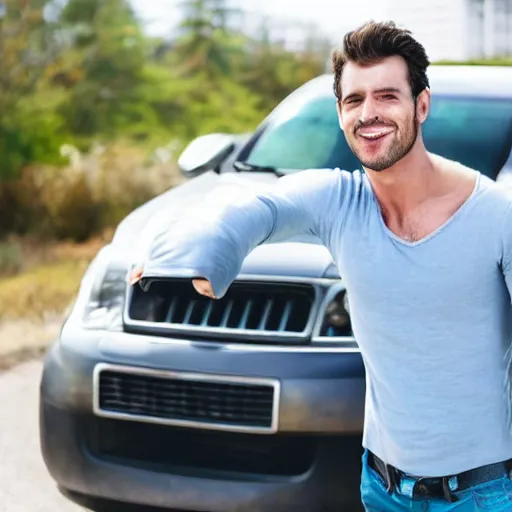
(369, 111)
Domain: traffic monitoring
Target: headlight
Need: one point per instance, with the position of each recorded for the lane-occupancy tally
(101, 298)
(336, 322)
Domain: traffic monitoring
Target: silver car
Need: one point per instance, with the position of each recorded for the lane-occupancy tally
(253, 403)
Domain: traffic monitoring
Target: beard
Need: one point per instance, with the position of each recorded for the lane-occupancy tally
(399, 147)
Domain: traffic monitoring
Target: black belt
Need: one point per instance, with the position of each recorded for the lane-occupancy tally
(439, 486)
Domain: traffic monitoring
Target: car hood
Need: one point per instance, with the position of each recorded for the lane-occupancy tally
(303, 256)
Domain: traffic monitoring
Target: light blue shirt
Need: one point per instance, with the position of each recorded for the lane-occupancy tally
(433, 318)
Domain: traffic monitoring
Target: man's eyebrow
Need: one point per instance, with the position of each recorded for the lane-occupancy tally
(395, 90)
(387, 89)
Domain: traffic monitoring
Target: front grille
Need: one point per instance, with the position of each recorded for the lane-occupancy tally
(282, 309)
(166, 448)
(225, 403)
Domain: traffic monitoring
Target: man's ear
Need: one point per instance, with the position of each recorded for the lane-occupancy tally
(423, 105)
(340, 114)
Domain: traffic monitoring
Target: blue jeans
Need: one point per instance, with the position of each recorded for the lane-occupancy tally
(495, 496)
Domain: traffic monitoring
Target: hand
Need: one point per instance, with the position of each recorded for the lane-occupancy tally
(135, 276)
(204, 287)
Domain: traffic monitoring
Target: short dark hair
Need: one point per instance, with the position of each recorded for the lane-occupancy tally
(375, 41)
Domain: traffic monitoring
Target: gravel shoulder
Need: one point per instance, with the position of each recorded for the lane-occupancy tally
(26, 339)
(26, 484)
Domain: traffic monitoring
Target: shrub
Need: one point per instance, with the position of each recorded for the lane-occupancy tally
(70, 207)
(11, 257)
(21, 207)
(94, 190)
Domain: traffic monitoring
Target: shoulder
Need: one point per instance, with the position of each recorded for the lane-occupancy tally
(493, 196)
(489, 204)
(496, 194)
(494, 215)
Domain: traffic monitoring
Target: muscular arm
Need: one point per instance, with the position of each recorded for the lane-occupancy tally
(210, 243)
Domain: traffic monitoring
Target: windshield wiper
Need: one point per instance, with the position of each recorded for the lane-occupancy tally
(244, 166)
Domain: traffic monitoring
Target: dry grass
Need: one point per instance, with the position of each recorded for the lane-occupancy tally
(50, 278)
(33, 302)
(33, 251)
(42, 290)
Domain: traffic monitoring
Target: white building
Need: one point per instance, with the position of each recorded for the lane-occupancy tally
(457, 29)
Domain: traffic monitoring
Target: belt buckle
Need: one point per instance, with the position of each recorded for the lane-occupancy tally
(420, 488)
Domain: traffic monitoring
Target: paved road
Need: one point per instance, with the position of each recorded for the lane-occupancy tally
(26, 486)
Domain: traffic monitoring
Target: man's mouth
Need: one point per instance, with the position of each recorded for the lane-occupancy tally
(373, 132)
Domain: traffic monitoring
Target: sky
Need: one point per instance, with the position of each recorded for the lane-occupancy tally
(335, 17)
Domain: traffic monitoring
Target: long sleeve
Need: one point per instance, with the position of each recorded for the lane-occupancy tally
(212, 238)
(506, 267)
(506, 240)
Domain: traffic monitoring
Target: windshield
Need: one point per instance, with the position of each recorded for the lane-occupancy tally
(474, 131)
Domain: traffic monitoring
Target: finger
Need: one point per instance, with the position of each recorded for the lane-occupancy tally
(203, 287)
(135, 276)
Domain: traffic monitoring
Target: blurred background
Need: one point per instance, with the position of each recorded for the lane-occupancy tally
(98, 98)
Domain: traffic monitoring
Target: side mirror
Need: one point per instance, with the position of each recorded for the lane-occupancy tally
(205, 153)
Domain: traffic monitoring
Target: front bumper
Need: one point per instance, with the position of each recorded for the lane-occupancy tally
(320, 426)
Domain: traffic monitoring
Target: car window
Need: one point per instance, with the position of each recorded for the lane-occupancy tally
(474, 131)
(305, 137)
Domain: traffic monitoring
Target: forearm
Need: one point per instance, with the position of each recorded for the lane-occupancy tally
(212, 240)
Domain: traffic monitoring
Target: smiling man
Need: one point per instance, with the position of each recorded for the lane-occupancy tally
(424, 246)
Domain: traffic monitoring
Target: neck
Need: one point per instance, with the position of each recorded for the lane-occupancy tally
(407, 183)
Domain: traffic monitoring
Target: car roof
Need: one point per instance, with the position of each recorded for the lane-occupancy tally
(488, 81)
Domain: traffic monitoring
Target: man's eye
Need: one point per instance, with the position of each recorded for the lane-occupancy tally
(389, 97)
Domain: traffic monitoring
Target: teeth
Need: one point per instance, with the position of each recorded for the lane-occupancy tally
(374, 135)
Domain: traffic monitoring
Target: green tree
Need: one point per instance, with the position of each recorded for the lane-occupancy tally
(271, 71)
(29, 45)
(81, 71)
(104, 68)
(205, 38)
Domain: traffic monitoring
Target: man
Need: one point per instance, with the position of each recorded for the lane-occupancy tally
(424, 245)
